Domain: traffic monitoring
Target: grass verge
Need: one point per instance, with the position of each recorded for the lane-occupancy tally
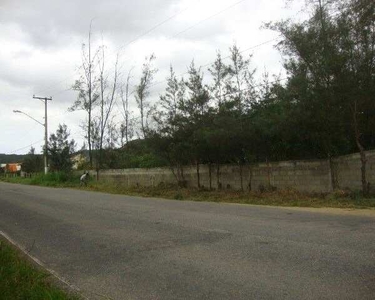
(19, 279)
(291, 198)
(287, 198)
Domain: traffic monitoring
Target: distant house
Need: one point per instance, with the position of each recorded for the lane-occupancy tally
(79, 158)
(12, 167)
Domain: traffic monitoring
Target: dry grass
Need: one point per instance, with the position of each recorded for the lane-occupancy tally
(338, 199)
(291, 198)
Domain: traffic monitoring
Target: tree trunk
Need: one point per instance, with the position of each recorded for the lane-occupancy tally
(241, 175)
(198, 176)
(250, 178)
(175, 174)
(268, 174)
(181, 177)
(183, 181)
(99, 162)
(210, 174)
(142, 121)
(365, 184)
(333, 173)
(90, 97)
(127, 108)
(89, 137)
(218, 183)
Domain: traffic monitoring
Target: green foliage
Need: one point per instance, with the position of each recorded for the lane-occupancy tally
(55, 179)
(19, 280)
(11, 158)
(135, 154)
(324, 108)
(142, 92)
(33, 163)
(330, 89)
(60, 150)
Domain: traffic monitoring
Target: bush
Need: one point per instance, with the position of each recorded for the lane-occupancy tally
(54, 178)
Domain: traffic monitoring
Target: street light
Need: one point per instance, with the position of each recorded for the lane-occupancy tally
(45, 137)
(21, 112)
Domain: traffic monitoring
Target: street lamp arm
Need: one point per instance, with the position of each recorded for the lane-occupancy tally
(21, 112)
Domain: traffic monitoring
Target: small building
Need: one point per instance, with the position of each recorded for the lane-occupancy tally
(79, 159)
(13, 167)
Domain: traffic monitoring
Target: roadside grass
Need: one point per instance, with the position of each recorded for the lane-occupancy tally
(56, 179)
(288, 198)
(20, 280)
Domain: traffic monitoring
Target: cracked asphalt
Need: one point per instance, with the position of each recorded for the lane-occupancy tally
(122, 247)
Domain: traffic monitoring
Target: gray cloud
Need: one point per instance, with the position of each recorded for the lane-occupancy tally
(41, 47)
(54, 23)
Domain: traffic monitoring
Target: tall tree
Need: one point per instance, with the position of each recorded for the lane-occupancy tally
(357, 22)
(171, 103)
(219, 72)
(196, 108)
(142, 92)
(126, 127)
(198, 101)
(108, 93)
(330, 60)
(60, 149)
(170, 136)
(240, 87)
(87, 88)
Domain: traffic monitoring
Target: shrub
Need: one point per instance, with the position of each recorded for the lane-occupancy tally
(54, 178)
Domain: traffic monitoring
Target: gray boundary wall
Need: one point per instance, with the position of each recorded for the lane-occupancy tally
(308, 175)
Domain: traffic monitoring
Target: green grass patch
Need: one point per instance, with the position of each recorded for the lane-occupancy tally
(291, 198)
(19, 279)
(55, 179)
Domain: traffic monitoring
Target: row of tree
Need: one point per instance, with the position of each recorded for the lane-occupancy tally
(323, 108)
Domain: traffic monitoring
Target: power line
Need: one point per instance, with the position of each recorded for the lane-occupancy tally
(205, 65)
(202, 66)
(129, 43)
(152, 29)
(226, 57)
(62, 91)
(53, 85)
(179, 33)
(208, 18)
(33, 143)
(245, 50)
(14, 151)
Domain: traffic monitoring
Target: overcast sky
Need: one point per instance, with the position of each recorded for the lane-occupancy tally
(41, 43)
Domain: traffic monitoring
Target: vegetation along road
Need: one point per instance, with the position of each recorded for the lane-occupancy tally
(121, 247)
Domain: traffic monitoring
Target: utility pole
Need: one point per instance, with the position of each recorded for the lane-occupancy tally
(45, 99)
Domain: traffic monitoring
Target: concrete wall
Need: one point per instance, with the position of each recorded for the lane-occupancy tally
(348, 170)
(307, 176)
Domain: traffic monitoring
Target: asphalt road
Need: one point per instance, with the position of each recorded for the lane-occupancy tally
(120, 247)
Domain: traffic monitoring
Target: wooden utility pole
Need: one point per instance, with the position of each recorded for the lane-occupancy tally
(45, 99)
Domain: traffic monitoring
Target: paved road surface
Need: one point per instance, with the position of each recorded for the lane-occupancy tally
(136, 248)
